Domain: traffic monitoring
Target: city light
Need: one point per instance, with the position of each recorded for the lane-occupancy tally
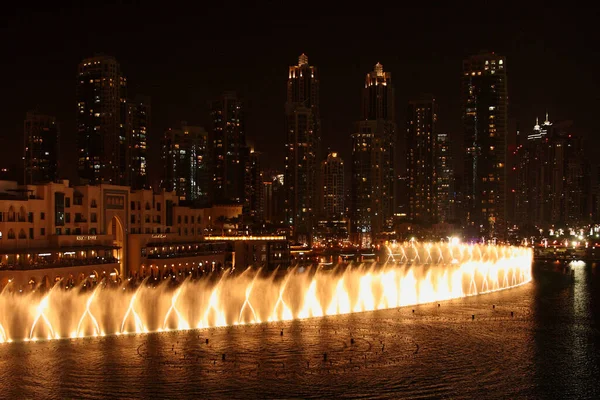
(452, 271)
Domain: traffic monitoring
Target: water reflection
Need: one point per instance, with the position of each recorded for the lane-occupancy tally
(566, 343)
(547, 349)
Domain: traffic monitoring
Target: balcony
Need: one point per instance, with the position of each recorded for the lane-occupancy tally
(64, 263)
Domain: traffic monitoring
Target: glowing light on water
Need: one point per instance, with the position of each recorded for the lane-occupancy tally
(447, 271)
(340, 304)
(182, 324)
(3, 337)
(92, 318)
(139, 325)
(577, 264)
(312, 307)
(248, 304)
(286, 313)
(41, 309)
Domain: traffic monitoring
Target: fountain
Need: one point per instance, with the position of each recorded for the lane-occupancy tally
(413, 274)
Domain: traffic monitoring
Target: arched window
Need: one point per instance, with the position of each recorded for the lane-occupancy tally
(22, 234)
(11, 214)
(11, 234)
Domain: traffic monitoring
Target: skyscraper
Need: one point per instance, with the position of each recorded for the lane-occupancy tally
(373, 157)
(41, 135)
(185, 162)
(138, 127)
(254, 193)
(101, 132)
(303, 132)
(444, 178)
(552, 177)
(228, 148)
(378, 95)
(485, 117)
(332, 172)
(421, 154)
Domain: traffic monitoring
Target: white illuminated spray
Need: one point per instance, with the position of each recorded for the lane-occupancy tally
(139, 325)
(41, 312)
(286, 313)
(248, 304)
(214, 309)
(92, 318)
(182, 324)
(3, 336)
(252, 297)
(312, 307)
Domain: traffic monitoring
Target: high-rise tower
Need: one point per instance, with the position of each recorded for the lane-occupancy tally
(184, 159)
(373, 158)
(228, 148)
(444, 178)
(138, 127)
(378, 95)
(421, 159)
(303, 131)
(101, 132)
(332, 172)
(41, 134)
(485, 118)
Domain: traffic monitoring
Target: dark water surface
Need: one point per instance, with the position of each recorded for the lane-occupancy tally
(550, 348)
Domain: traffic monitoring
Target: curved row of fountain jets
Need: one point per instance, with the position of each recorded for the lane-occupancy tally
(252, 297)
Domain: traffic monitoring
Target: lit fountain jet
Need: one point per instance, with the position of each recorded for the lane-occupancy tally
(408, 289)
(286, 314)
(485, 270)
(426, 292)
(441, 254)
(182, 324)
(312, 307)
(390, 290)
(139, 325)
(247, 303)
(463, 270)
(213, 305)
(428, 251)
(87, 311)
(41, 308)
(3, 335)
(365, 302)
(340, 304)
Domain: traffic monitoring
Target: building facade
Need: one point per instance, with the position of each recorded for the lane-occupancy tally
(303, 134)
(552, 177)
(41, 136)
(101, 112)
(332, 172)
(444, 178)
(254, 204)
(228, 149)
(184, 158)
(373, 158)
(421, 153)
(60, 233)
(138, 120)
(485, 120)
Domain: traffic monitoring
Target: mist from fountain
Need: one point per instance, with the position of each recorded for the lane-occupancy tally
(413, 274)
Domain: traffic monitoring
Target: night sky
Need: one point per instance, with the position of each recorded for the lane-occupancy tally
(183, 57)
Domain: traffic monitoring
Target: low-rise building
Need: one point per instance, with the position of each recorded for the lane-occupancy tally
(57, 232)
